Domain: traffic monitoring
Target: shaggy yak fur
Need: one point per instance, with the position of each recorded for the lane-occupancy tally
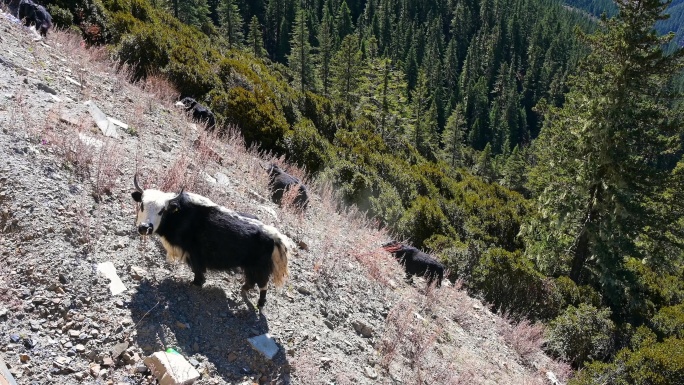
(34, 14)
(416, 262)
(280, 181)
(207, 236)
(200, 113)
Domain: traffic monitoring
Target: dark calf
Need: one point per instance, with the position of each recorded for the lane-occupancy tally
(416, 262)
(200, 113)
(280, 181)
(34, 14)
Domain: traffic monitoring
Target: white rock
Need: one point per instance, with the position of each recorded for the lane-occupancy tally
(171, 369)
(108, 270)
(264, 344)
(107, 127)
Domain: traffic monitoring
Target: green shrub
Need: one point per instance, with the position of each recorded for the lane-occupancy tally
(307, 146)
(669, 321)
(387, 206)
(581, 334)
(510, 283)
(423, 220)
(652, 364)
(146, 49)
(61, 17)
(259, 120)
(189, 71)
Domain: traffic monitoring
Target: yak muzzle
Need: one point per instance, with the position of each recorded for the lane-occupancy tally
(145, 229)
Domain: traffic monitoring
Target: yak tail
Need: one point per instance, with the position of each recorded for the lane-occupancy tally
(281, 251)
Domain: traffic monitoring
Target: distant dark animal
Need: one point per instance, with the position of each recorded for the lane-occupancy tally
(416, 262)
(34, 14)
(200, 113)
(280, 181)
(205, 235)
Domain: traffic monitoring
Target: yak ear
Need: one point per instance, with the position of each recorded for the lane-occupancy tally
(137, 196)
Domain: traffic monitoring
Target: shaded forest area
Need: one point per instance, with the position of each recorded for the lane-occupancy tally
(536, 151)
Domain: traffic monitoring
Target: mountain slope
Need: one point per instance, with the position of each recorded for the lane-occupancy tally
(66, 207)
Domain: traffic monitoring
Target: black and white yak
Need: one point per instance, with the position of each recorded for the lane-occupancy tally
(416, 262)
(35, 14)
(280, 182)
(200, 113)
(205, 235)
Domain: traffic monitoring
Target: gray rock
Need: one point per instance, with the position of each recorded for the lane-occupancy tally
(363, 329)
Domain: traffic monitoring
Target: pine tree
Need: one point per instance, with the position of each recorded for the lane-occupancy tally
(343, 21)
(452, 137)
(346, 69)
(604, 157)
(255, 39)
(424, 135)
(193, 12)
(231, 23)
(326, 48)
(300, 58)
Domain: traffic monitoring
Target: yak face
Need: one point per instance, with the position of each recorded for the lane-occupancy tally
(153, 204)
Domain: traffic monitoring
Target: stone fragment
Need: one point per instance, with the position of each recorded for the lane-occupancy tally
(106, 126)
(264, 344)
(171, 369)
(119, 348)
(138, 273)
(363, 329)
(371, 373)
(108, 270)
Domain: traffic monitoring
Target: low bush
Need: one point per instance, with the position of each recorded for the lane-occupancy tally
(581, 334)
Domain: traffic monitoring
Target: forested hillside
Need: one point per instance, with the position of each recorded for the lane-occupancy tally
(675, 23)
(540, 164)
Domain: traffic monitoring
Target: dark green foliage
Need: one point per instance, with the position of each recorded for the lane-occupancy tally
(654, 364)
(423, 220)
(581, 333)
(669, 321)
(61, 18)
(257, 116)
(307, 146)
(511, 284)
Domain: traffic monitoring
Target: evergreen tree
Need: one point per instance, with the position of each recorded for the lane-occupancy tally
(485, 166)
(346, 70)
(604, 157)
(452, 137)
(326, 48)
(300, 58)
(193, 12)
(255, 39)
(424, 135)
(231, 23)
(343, 21)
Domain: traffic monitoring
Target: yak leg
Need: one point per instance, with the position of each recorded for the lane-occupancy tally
(263, 285)
(199, 271)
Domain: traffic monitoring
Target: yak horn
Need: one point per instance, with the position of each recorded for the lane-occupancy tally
(136, 184)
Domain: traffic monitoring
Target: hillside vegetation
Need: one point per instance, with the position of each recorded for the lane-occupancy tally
(538, 160)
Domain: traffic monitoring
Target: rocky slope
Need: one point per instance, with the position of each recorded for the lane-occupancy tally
(344, 317)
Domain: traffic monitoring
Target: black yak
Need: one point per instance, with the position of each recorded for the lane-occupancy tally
(200, 113)
(34, 14)
(416, 262)
(205, 235)
(280, 181)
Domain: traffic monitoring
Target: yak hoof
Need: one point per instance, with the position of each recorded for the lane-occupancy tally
(199, 281)
(261, 303)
